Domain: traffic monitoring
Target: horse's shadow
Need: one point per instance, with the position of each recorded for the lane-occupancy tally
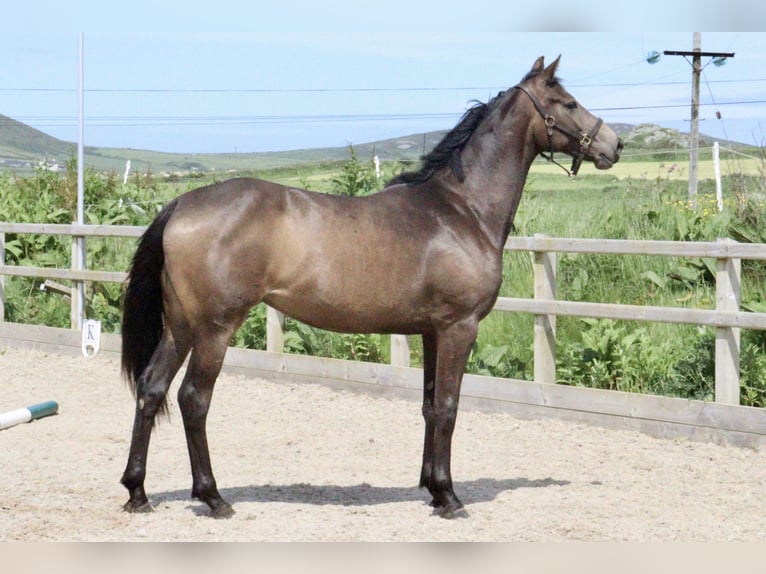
(472, 491)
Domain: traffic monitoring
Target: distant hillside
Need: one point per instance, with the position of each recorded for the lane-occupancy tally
(622, 129)
(20, 141)
(653, 137)
(22, 147)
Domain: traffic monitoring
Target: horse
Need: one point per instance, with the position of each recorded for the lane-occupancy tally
(421, 257)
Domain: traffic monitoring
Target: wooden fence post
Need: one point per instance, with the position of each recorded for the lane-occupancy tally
(2, 278)
(545, 325)
(400, 351)
(275, 334)
(78, 263)
(727, 339)
(74, 313)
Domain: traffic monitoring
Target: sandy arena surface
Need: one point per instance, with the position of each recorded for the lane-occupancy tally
(307, 463)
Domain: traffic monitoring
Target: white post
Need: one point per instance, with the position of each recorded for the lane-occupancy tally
(545, 325)
(127, 173)
(400, 351)
(275, 336)
(717, 169)
(78, 251)
(80, 132)
(727, 339)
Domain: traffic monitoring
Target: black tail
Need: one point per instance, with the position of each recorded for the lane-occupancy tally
(142, 308)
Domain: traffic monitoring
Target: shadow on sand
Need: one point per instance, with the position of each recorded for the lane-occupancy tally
(471, 492)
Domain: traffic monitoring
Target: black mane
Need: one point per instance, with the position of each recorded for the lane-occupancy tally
(447, 151)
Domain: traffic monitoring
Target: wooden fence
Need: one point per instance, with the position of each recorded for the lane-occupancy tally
(741, 425)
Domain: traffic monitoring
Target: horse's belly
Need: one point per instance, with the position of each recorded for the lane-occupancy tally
(362, 314)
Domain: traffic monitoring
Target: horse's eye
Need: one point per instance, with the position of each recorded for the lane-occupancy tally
(571, 106)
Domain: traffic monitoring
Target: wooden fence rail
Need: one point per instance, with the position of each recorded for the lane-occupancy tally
(727, 317)
(78, 233)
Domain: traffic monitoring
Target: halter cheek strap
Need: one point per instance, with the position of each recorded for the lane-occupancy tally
(585, 138)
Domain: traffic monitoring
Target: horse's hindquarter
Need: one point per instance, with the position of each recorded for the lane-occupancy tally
(389, 262)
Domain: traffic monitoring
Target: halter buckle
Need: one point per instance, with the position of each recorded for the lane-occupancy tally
(586, 140)
(550, 121)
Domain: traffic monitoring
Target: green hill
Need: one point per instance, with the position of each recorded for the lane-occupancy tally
(22, 142)
(22, 147)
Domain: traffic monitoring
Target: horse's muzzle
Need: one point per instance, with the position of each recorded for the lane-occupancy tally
(605, 161)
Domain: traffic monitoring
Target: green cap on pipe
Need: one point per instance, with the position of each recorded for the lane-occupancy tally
(45, 409)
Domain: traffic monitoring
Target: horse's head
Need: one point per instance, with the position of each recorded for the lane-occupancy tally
(563, 124)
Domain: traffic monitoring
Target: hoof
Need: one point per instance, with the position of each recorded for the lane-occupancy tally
(450, 512)
(137, 507)
(447, 506)
(223, 511)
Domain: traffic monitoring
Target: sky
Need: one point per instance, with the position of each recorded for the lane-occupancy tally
(318, 80)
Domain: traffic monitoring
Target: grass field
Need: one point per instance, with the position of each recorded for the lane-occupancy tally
(673, 170)
(318, 176)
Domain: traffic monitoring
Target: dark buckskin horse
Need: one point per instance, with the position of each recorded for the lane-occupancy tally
(423, 256)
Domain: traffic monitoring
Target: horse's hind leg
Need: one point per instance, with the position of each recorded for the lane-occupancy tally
(194, 399)
(152, 387)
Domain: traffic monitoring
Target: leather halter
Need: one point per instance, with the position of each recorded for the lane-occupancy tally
(585, 138)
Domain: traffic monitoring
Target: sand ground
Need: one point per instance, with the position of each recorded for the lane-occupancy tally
(302, 462)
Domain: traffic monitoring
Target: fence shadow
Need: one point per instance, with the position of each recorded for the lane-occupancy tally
(472, 491)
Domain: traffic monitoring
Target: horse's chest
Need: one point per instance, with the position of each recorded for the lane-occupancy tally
(467, 281)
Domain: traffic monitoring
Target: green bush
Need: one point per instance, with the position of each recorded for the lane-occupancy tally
(615, 356)
(355, 177)
(51, 197)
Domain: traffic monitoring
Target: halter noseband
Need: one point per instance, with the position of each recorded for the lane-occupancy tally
(585, 138)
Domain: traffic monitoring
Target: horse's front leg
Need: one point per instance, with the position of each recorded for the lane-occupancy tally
(429, 382)
(453, 347)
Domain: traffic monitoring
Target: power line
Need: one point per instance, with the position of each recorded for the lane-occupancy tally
(670, 106)
(250, 90)
(134, 121)
(349, 90)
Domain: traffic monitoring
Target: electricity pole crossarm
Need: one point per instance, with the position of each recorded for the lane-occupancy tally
(700, 54)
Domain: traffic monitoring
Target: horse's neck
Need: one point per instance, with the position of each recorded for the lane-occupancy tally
(495, 176)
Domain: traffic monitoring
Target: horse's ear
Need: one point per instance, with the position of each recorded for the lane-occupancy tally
(550, 71)
(538, 65)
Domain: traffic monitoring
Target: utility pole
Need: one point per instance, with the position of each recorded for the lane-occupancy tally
(694, 140)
